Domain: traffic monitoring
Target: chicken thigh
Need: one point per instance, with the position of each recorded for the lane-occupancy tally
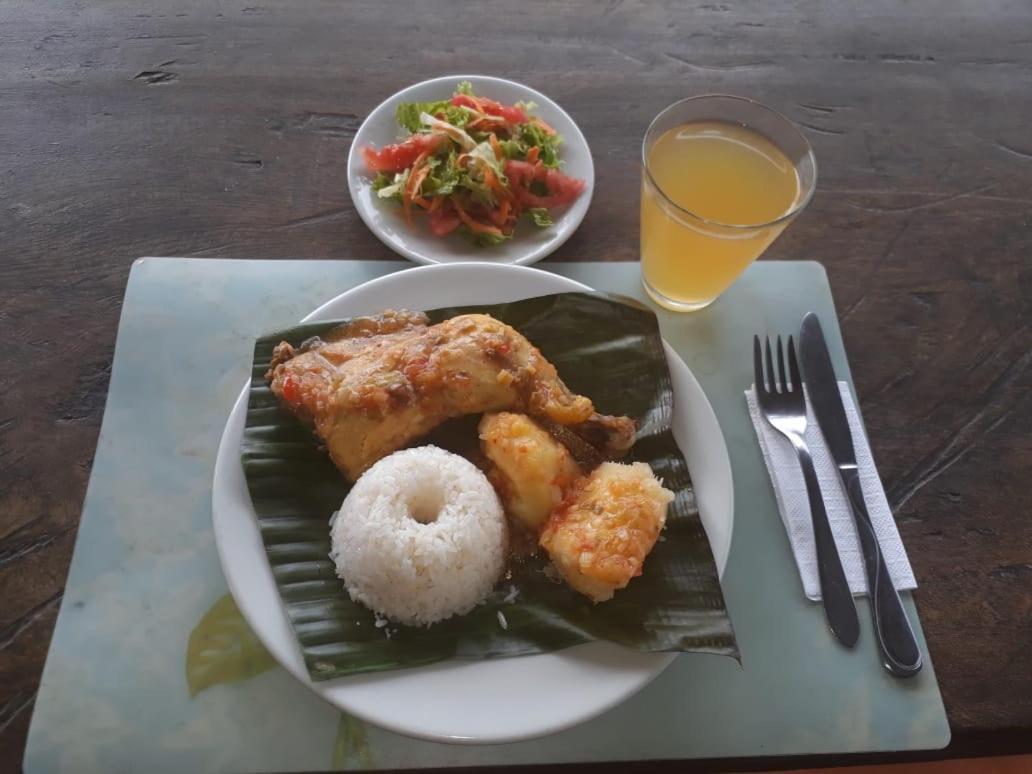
(378, 383)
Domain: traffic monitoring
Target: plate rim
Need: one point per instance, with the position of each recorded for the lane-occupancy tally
(323, 689)
(533, 256)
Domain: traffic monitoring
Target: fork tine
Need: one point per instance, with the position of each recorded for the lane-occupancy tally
(781, 368)
(793, 366)
(770, 367)
(757, 364)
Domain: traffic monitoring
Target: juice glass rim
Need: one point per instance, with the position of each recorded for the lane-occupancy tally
(799, 205)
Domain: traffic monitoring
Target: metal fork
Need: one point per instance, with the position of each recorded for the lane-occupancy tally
(783, 405)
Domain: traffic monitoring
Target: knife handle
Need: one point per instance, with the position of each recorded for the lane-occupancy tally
(835, 594)
(896, 640)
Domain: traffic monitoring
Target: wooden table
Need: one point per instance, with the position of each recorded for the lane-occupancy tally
(221, 129)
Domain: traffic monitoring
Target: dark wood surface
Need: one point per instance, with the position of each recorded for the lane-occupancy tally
(214, 128)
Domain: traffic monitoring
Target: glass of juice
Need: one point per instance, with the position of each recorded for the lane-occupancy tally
(721, 178)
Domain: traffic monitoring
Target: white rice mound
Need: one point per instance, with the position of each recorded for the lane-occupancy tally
(420, 537)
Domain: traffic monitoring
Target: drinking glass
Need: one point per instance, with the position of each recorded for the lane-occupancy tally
(688, 258)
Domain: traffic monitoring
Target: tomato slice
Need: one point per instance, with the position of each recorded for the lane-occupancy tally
(443, 221)
(395, 158)
(510, 113)
(562, 189)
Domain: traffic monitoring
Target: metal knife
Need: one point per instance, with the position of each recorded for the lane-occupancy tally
(899, 651)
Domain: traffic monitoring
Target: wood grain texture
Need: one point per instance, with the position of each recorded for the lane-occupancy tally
(221, 129)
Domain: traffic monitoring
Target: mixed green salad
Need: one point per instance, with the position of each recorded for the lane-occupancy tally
(473, 165)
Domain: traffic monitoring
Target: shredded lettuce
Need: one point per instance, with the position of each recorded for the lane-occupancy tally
(479, 136)
(547, 144)
(407, 113)
(444, 177)
(464, 87)
(473, 176)
(513, 149)
(485, 154)
(487, 240)
(540, 217)
(390, 187)
(455, 133)
(533, 136)
(478, 191)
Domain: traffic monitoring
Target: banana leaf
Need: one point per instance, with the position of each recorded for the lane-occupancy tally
(607, 349)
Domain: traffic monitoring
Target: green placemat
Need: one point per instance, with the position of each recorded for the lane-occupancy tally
(121, 693)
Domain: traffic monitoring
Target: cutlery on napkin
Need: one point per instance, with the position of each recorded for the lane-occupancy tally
(793, 505)
(893, 633)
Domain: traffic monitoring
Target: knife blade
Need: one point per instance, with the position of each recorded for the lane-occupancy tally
(896, 641)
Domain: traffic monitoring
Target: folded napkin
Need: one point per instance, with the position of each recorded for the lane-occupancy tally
(794, 505)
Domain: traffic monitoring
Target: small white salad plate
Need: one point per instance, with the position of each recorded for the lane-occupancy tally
(415, 242)
(475, 702)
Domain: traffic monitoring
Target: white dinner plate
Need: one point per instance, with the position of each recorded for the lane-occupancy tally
(492, 701)
(529, 244)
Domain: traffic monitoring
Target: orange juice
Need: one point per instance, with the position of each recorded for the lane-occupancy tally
(721, 191)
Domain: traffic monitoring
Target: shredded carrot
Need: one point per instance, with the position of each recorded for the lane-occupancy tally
(538, 122)
(415, 183)
(417, 180)
(475, 226)
(500, 216)
(406, 205)
(485, 123)
(435, 203)
(496, 147)
(491, 181)
(532, 154)
(410, 193)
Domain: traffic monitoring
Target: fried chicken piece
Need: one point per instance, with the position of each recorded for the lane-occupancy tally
(599, 538)
(379, 383)
(350, 337)
(530, 470)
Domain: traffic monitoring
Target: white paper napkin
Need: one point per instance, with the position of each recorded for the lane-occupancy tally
(794, 505)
